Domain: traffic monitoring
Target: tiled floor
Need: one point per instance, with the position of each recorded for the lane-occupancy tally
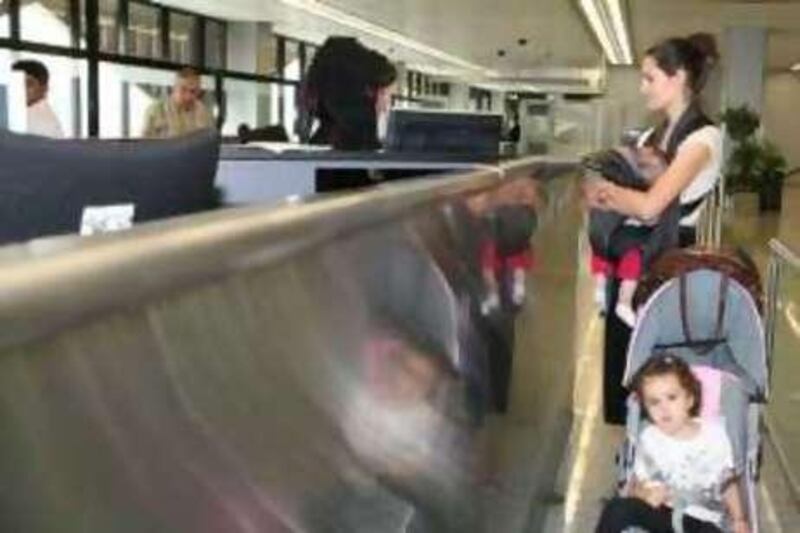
(587, 476)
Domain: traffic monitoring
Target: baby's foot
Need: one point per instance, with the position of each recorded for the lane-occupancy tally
(490, 304)
(600, 297)
(518, 288)
(626, 314)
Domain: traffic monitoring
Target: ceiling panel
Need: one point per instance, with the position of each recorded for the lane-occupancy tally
(654, 20)
(477, 29)
(557, 36)
(473, 30)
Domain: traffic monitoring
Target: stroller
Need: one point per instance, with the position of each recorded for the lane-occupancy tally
(705, 307)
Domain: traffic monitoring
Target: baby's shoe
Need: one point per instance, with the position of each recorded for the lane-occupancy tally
(626, 314)
(600, 297)
(518, 288)
(490, 304)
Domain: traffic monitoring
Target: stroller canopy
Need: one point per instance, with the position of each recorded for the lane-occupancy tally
(705, 317)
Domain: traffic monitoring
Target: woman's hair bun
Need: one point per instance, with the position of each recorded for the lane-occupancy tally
(706, 44)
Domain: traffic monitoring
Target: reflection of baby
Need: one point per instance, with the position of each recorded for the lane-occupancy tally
(651, 163)
(507, 250)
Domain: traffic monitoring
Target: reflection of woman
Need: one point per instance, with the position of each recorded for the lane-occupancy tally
(347, 87)
(674, 73)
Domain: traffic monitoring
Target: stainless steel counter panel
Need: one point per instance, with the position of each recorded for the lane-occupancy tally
(316, 367)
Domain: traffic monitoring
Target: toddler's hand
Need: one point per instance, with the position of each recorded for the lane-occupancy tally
(741, 526)
(655, 494)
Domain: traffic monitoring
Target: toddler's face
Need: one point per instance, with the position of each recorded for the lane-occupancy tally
(667, 402)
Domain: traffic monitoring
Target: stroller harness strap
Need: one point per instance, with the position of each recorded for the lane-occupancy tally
(703, 346)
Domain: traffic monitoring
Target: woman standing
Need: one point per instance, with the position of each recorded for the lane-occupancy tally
(347, 89)
(674, 73)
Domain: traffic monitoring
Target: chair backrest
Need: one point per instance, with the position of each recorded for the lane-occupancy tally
(46, 184)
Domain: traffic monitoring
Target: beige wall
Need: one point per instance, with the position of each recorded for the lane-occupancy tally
(781, 122)
(626, 106)
(623, 106)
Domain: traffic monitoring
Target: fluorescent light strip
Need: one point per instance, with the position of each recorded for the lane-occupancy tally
(615, 10)
(596, 22)
(319, 9)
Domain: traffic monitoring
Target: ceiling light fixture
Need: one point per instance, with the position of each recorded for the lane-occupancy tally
(608, 24)
(314, 7)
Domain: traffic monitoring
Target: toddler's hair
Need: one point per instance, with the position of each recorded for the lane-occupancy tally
(663, 364)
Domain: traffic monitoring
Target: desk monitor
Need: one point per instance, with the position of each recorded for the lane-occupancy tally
(46, 184)
(469, 135)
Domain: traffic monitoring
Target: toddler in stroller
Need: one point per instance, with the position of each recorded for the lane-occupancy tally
(617, 240)
(703, 308)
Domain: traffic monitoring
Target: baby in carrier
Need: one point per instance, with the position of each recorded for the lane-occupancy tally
(617, 240)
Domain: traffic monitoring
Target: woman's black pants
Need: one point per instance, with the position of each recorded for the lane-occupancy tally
(623, 513)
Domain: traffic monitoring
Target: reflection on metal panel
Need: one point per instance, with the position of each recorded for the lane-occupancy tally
(407, 368)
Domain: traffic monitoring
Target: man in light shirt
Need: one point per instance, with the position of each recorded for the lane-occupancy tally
(182, 113)
(41, 119)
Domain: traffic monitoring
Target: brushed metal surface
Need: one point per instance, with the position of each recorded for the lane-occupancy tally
(318, 367)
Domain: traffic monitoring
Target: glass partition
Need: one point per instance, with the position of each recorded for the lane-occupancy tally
(785, 359)
(144, 30)
(289, 103)
(215, 44)
(291, 64)
(251, 103)
(67, 95)
(311, 51)
(182, 38)
(45, 21)
(127, 92)
(109, 29)
(268, 55)
(5, 20)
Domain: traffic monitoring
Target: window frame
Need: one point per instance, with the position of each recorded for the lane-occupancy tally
(92, 54)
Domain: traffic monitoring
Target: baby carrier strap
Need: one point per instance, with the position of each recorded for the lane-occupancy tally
(703, 346)
(665, 233)
(689, 208)
(690, 121)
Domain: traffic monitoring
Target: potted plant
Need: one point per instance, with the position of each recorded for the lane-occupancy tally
(770, 172)
(754, 165)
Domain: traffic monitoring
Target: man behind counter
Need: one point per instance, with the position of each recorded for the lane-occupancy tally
(41, 119)
(182, 112)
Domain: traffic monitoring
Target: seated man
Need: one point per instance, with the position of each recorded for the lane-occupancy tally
(182, 113)
(40, 120)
